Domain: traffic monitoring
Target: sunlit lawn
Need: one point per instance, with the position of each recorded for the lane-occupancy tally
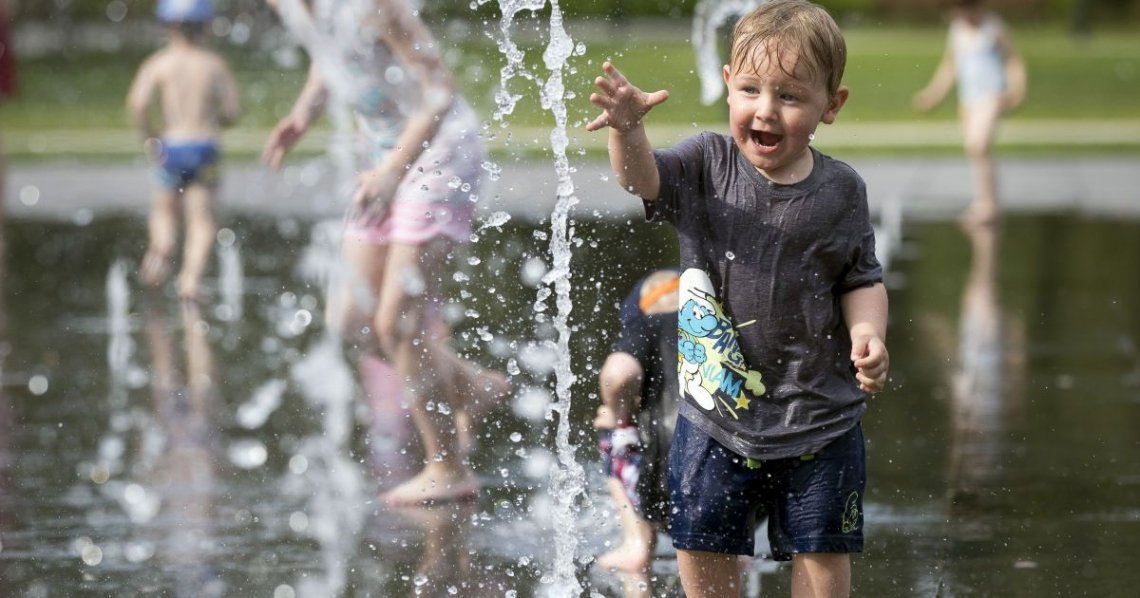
(1069, 79)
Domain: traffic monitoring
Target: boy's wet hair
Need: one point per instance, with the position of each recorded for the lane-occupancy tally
(798, 27)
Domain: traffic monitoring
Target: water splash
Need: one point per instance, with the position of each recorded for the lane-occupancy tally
(120, 345)
(230, 277)
(708, 17)
(568, 479)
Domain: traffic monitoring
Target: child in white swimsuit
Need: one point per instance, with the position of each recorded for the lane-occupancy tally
(990, 75)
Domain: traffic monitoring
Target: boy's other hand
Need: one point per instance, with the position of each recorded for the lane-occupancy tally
(623, 105)
(869, 355)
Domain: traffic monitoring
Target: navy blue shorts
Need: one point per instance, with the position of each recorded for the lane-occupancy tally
(186, 162)
(814, 503)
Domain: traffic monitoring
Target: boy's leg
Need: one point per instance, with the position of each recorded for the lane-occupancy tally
(709, 574)
(817, 517)
(638, 537)
(201, 230)
(714, 500)
(821, 575)
(163, 234)
(620, 383)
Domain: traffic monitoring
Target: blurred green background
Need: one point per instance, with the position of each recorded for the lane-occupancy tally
(1083, 58)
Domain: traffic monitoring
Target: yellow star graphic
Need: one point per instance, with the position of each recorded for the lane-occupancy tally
(742, 401)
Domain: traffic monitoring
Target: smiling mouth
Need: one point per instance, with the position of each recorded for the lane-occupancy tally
(765, 138)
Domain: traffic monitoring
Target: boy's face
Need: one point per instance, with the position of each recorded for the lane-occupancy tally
(773, 115)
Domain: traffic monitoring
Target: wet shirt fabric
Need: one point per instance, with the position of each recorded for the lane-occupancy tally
(763, 350)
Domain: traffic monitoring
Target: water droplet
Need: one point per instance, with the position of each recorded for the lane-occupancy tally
(29, 195)
(38, 385)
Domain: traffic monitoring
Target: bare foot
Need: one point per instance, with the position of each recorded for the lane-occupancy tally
(154, 268)
(633, 556)
(431, 485)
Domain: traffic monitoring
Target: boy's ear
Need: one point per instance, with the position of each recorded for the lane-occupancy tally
(834, 104)
(726, 74)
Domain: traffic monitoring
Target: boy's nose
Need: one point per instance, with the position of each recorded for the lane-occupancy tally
(765, 107)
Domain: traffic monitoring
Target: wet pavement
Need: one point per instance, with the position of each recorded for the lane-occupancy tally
(924, 188)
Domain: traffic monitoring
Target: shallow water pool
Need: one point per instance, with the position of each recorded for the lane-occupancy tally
(149, 448)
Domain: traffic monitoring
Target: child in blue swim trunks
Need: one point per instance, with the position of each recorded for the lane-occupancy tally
(782, 312)
(198, 97)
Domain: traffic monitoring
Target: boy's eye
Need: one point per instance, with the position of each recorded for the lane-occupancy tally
(788, 97)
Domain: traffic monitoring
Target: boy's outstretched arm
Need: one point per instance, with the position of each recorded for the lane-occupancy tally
(623, 108)
(865, 311)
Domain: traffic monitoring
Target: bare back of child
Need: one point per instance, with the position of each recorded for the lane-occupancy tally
(197, 96)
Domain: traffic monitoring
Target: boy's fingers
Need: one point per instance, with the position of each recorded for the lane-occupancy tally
(598, 123)
(656, 98)
(614, 74)
(605, 85)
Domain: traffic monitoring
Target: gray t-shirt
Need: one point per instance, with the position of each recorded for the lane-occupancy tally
(763, 350)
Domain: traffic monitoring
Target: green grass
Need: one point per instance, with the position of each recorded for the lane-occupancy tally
(1098, 78)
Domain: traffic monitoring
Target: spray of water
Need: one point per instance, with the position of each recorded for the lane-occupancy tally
(568, 483)
(708, 17)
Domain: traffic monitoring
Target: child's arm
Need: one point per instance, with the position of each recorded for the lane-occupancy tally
(405, 34)
(140, 96)
(309, 105)
(1014, 72)
(229, 100)
(623, 108)
(865, 311)
(940, 83)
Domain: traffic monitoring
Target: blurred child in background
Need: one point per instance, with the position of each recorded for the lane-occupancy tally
(991, 79)
(198, 96)
(413, 204)
(639, 391)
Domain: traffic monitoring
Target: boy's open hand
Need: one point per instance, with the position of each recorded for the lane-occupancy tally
(622, 104)
(869, 355)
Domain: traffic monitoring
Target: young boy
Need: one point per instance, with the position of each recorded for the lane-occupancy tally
(782, 308)
(638, 384)
(199, 97)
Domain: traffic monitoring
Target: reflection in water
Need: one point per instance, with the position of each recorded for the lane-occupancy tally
(444, 567)
(980, 391)
(173, 495)
(1054, 481)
